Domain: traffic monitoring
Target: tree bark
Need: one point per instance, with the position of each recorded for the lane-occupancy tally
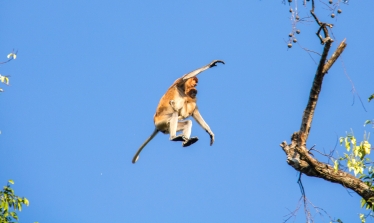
(298, 155)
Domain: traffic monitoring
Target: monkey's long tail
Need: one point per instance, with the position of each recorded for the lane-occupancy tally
(136, 156)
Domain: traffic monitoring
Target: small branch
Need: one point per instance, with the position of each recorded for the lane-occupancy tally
(323, 67)
(334, 57)
(308, 50)
(11, 56)
(314, 15)
(322, 26)
(293, 213)
(4, 62)
(329, 156)
(313, 96)
(312, 167)
(297, 153)
(354, 91)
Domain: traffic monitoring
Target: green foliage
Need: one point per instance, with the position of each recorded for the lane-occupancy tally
(362, 218)
(367, 122)
(5, 80)
(355, 159)
(10, 203)
(368, 179)
(12, 56)
(371, 97)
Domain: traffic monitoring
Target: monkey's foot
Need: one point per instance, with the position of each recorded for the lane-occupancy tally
(179, 138)
(190, 141)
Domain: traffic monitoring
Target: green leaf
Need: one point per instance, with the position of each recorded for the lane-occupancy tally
(11, 181)
(363, 202)
(362, 218)
(367, 122)
(353, 140)
(341, 140)
(12, 213)
(6, 206)
(371, 97)
(13, 55)
(366, 147)
(336, 165)
(25, 201)
(356, 150)
(347, 145)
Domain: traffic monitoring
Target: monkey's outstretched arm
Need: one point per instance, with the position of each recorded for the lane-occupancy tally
(198, 71)
(199, 119)
(136, 156)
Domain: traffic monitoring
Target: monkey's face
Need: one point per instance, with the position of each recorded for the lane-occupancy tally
(192, 93)
(190, 85)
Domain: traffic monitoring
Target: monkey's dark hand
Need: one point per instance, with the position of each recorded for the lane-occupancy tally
(214, 63)
(211, 137)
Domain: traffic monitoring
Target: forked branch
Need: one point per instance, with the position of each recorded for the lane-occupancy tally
(297, 153)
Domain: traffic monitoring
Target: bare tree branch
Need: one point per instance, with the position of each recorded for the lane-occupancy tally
(322, 69)
(334, 56)
(297, 153)
(312, 167)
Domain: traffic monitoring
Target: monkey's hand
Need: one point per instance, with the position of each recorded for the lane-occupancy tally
(211, 137)
(214, 63)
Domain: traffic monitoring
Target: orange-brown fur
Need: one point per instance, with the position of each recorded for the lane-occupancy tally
(177, 104)
(183, 93)
(190, 98)
(189, 87)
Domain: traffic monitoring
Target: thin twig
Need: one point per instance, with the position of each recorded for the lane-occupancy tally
(4, 62)
(353, 86)
(10, 58)
(311, 51)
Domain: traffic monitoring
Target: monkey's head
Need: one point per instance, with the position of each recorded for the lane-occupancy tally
(192, 93)
(189, 87)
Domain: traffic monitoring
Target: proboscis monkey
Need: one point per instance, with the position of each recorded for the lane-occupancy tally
(177, 104)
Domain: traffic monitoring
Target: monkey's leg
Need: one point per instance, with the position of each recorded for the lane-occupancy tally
(173, 137)
(173, 125)
(186, 126)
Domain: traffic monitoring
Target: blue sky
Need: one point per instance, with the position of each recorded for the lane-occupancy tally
(88, 78)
